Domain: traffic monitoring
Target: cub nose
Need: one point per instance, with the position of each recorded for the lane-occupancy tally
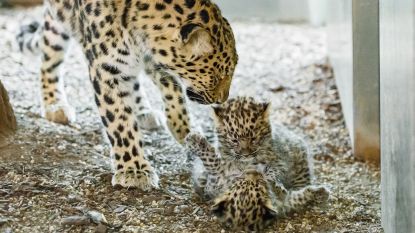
(246, 151)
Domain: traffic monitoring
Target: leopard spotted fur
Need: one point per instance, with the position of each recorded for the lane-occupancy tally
(185, 46)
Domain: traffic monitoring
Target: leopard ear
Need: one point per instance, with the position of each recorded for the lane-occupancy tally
(218, 111)
(218, 209)
(196, 39)
(270, 212)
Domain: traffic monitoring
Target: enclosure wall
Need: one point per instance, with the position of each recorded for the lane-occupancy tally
(269, 10)
(398, 115)
(366, 80)
(353, 45)
(340, 48)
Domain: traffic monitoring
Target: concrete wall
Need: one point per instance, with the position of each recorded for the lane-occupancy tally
(366, 109)
(340, 48)
(269, 10)
(397, 73)
(353, 45)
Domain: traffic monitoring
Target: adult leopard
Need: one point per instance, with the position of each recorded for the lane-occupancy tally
(177, 42)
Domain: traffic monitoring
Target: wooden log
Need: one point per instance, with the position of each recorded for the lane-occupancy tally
(7, 119)
(20, 2)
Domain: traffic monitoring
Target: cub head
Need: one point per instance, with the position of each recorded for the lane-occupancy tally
(194, 42)
(246, 205)
(242, 126)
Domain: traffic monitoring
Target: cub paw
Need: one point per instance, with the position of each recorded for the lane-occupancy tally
(280, 191)
(321, 194)
(149, 121)
(196, 141)
(134, 178)
(60, 114)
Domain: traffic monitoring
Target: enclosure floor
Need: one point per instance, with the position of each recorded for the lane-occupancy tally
(49, 172)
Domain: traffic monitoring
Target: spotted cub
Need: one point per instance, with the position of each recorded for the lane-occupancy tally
(264, 166)
(184, 46)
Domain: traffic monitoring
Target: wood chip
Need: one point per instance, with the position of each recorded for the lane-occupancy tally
(278, 88)
(76, 220)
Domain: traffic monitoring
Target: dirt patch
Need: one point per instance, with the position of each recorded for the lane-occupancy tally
(52, 174)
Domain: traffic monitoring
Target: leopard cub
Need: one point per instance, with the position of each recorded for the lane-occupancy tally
(257, 172)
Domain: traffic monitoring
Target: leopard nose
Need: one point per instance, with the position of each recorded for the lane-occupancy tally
(222, 90)
(223, 96)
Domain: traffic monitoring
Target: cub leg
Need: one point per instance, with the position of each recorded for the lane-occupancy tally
(198, 146)
(299, 199)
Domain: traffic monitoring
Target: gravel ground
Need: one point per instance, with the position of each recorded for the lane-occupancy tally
(56, 178)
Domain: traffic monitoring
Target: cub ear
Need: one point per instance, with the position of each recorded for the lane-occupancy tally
(266, 106)
(196, 39)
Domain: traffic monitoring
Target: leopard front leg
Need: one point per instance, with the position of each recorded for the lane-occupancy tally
(53, 44)
(174, 103)
(113, 83)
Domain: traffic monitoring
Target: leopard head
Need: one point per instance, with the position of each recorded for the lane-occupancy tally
(242, 127)
(193, 41)
(246, 205)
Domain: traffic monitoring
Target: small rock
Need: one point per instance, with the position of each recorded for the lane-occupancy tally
(99, 147)
(3, 221)
(288, 228)
(120, 209)
(97, 217)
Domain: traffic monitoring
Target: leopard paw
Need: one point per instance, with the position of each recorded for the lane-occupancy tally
(61, 114)
(280, 191)
(134, 178)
